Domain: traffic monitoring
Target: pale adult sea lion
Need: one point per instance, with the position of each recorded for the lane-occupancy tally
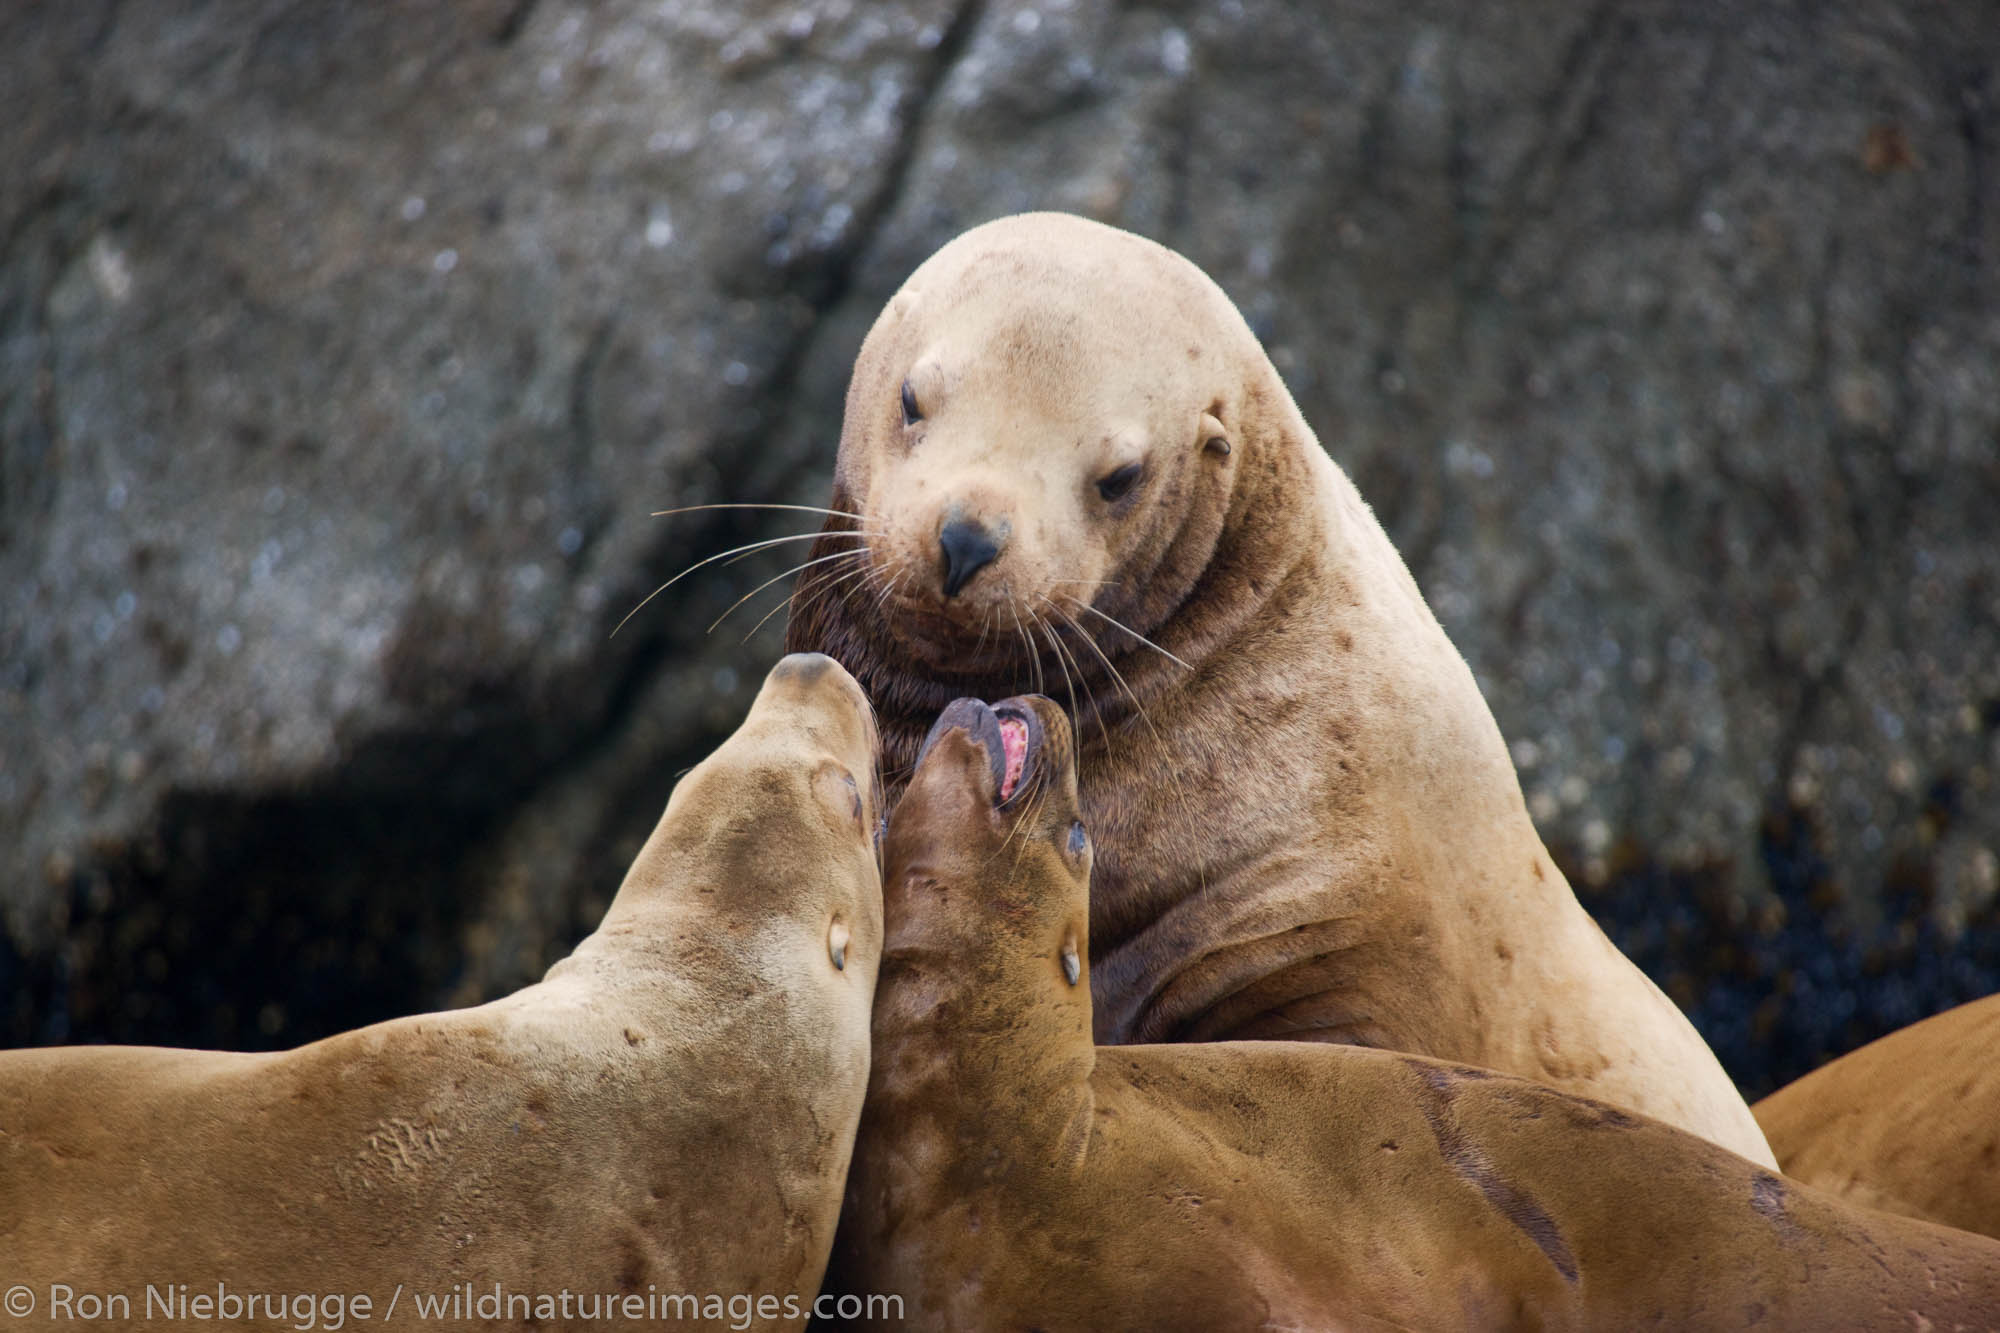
(1909, 1124)
(1009, 1175)
(1307, 823)
(669, 1113)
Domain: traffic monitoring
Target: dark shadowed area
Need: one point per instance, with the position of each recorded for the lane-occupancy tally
(345, 350)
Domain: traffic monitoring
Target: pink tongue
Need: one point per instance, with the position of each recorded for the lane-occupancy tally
(1014, 741)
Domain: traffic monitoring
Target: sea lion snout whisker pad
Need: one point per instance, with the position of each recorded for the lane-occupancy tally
(1009, 1173)
(671, 1109)
(1073, 471)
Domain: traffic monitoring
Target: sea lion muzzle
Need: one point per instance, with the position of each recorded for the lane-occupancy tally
(966, 547)
(979, 722)
(1011, 732)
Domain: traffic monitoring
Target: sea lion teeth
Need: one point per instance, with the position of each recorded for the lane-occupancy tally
(1014, 740)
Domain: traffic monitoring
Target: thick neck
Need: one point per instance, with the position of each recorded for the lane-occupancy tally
(954, 1028)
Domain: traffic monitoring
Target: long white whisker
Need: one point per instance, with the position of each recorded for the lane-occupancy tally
(852, 554)
(1098, 713)
(1111, 620)
(1180, 788)
(888, 590)
(802, 509)
(745, 549)
(985, 627)
(821, 589)
(1034, 653)
(1117, 676)
(1069, 685)
(741, 554)
(845, 577)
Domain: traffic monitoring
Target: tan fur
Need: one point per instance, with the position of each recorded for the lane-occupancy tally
(1909, 1124)
(670, 1111)
(1308, 824)
(1009, 1175)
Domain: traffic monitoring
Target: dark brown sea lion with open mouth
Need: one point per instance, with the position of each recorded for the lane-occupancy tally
(1011, 1175)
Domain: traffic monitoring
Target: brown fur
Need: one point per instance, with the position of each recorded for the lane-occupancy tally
(670, 1111)
(1308, 825)
(1009, 1175)
(1909, 1124)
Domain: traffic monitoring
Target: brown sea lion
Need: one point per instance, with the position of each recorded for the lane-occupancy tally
(1909, 1124)
(1009, 1175)
(1067, 465)
(668, 1114)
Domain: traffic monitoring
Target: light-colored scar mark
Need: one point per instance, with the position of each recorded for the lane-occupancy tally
(55, 1153)
(1470, 1162)
(393, 1148)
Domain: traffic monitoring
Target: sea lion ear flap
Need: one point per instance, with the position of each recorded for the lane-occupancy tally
(1214, 438)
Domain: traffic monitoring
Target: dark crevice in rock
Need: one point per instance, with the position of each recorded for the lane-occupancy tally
(108, 24)
(1781, 993)
(825, 287)
(1570, 111)
(255, 924)
(665, 639)
(582, 420)
(1975, 109)
(514, 22)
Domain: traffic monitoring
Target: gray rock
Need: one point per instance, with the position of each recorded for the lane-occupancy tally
(344, 353)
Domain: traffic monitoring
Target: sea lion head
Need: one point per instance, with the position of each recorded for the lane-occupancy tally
(781, 821)
(987, 862)
(1042, 424)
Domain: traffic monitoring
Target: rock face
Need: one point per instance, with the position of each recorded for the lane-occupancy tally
(344, 354)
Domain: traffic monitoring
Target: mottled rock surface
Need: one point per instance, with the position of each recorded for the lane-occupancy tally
(345, 352)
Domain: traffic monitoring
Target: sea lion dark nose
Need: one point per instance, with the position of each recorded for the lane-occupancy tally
(968, 548)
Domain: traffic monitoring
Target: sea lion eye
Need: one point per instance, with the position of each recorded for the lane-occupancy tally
(1114, 486)
(911, 416)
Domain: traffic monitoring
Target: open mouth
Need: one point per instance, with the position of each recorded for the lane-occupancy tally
(1010, 732)
(1020, 742)
(1014, 741)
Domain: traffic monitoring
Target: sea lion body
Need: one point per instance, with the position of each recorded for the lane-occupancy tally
(1308, 825)
(670, 1112)
(1909, 1123)
(1011, 1175)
